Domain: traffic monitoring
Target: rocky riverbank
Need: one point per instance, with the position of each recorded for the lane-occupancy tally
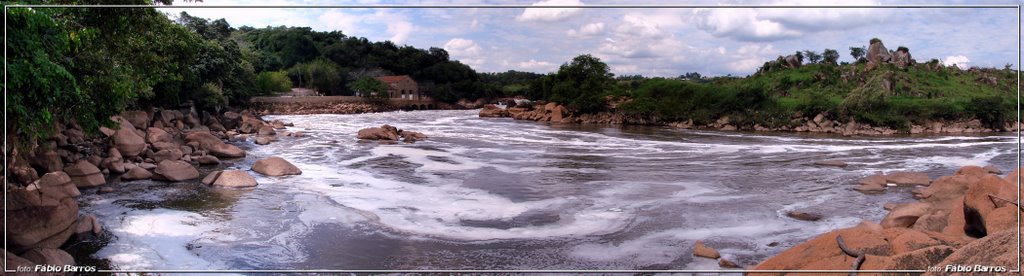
(820, 123)
(159, 144)
(966, 219)
(321, 108)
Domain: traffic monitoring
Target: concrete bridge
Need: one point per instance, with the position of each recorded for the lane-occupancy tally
(404, 104)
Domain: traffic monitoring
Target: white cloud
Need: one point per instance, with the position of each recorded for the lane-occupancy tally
(534, 65)
(740, 24)
(778, 24)
(335, 19)
(399, 30)
(459, 47)
(588, 30)
(958, 60)
(550, 14)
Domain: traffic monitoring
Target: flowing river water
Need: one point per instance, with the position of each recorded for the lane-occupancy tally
(495, 193)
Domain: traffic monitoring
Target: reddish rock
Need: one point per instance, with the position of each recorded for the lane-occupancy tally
(412, 136)
(378, 133)
(908, 178)
(946, 188)
(263, 140)
(176, 170)
(234, 179)
(14, 262)
(48, 160)
(167, 154)
(88, 224)
(226, 151)
(723, 263)
(128, 142)
(822, 252)
(975, 170)
(913, 260)
(905, 216)
(139, 119)
(700, 250)
(85, 175)
(934, 221)
(210, 178)
(870, 188)
(49, 256)
(1001, 219)
(275, 166)
(154, 135)
(266, 131)
(803, 216)
(277, 124)
(57, 184)
(137, 173)
(207, 160)
(911, 240)
(491, 110)
(39, 218)
(993, 250)
(977, 196)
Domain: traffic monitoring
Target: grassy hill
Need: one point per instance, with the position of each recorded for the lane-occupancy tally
(882, 96)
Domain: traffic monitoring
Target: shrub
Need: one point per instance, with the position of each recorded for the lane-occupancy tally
(272, 81)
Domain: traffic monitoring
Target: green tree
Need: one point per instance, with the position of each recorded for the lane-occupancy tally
(812, 56)
(272, 81)
(582, 84)
(369, 87)
(858, 52)
(830, 56)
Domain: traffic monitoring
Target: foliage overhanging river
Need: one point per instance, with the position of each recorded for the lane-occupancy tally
(485, 193)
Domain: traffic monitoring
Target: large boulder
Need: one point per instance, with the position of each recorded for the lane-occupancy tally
(58, 184)
(49, 256)
(993, 250)
(214, 145)
(207, 160)
(231, 179)
(167, 154)
(275, 166)
(908, 178)
(231, 119)
(128, 142)
(384, 132)
(877, 53)
(85, 174)
(226, 151)
(902, 58)
(823, 252)
(138, 118)
(136, 173)
(491, 110)
(905, 215)
(39, 218)
(155, 134)
(176, 170)
(47, 161)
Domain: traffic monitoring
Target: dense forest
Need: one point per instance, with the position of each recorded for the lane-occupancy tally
(87, 64)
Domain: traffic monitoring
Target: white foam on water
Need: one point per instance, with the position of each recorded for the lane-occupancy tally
(978, 159)
(156, 239)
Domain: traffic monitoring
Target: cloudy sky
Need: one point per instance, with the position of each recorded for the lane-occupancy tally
(652, 41)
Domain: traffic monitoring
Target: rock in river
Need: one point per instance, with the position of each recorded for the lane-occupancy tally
(275, 166)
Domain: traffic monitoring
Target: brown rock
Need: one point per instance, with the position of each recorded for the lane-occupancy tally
(993, 250)
(85, 175)
(913, 260)
(975, 170)
(275, 166)
(491, 110)
(14, 262)
(139, 119)
(870, 188)
(154, 135)
(723, 263)
(908, 178)
(1001, 219)
(176, 170)
(226, 151)
(803, 216)
(911, 240)
(207, 160)
(37, 218)
(167, 154)
(234, 179)
(50, 256)
(266, 131)
(263, 140)
(57, 184)
(822, 252)
(946, 188)
(204, 139)
(210, 178)
(48, 160)
(377, 133)
(107, 131)
(700, 250)
(277, 124)
(412, 136)
(905, 216)
(128, 143)
(137, 173)
(934, 221)
(977, 196)
(88, 224)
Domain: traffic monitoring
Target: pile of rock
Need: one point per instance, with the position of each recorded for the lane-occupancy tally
(550, 112)
(389, 134)
(824, 123)
(43, 216)
(877, 54)
(966, 218)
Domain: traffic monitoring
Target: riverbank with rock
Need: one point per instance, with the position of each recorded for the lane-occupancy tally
(968, 218)
(820, 123)
(159, 144)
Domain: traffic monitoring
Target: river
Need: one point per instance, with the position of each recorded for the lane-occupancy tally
(495, 193)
